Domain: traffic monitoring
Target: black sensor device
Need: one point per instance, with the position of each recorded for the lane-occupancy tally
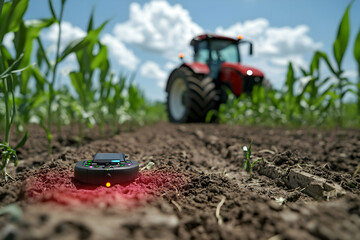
(107, 169)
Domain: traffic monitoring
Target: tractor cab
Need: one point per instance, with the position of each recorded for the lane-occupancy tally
(214, 50)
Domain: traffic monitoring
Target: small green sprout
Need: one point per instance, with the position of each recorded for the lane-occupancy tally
(356, 171)
(280, 200)
(248, 165)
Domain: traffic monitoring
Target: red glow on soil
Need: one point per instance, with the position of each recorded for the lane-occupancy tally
(61, 187)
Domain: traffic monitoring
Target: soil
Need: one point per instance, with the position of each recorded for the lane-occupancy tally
(304, 188)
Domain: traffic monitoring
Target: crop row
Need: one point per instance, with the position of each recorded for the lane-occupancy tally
(311, 98)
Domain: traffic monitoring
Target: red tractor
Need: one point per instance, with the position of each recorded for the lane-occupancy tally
(198, 87)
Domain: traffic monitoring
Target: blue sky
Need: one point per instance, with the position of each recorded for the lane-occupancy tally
(146, 36)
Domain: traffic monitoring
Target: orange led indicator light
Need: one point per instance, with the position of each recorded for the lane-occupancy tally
(108, 184)
(181, 55)
(240, 36)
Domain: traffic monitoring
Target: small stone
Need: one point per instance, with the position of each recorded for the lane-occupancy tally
(199, 134)
(289, 216)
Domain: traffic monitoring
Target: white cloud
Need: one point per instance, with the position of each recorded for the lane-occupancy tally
(251, 29)
(68, 33)
(159, 27)
(8, 40)
(152, 70)
(170, 66)
(350, 73)
(283, 61)
(279, 45)
(124, 56)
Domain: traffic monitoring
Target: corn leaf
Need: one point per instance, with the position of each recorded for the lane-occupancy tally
(11, 68)
(357, 48)
(74, 46)
(52, 9)
(314, 65)
(342, 39)
(10, 18)
(99, 61)
(79, 44)
(326, 80)
(305, 89)
(77, 82)
(23, 42)
(39, 100)
(91, 20)
(39, 78)
(347, 91)
(41, 54)
(290, 79)
(1, 5)
(249, 151)
(47, 131)
(303, 71)
(7, 59)
(32, 31)
(23, 141)
(255, 162)
(315, 62)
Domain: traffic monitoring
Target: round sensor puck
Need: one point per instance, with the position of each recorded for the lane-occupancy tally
(107, 169)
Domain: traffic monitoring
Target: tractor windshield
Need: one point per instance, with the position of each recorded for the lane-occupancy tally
(224, 51)
(220, 51)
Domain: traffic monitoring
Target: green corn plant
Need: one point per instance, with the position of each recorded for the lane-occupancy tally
(314, 101)
(54, 68)
(51, 72)
(82, 80)
(9, 68)
(23, 41)
(136, 100)
(248, 164)
(7, 152)
(105, 80)
(289, 96)
(116, 101)
(357, 58)
(317, 101)
(339, 48)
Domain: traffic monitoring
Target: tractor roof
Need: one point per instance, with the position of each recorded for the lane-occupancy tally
(210, 36)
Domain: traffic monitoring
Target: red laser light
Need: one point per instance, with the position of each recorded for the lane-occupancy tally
(108, 184)
(59, 187)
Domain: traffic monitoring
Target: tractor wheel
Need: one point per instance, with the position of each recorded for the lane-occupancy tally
(190, 96)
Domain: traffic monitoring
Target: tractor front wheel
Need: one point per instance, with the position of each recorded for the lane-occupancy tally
(190, 96)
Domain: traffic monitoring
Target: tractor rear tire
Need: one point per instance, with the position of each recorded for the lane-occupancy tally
(190, 96)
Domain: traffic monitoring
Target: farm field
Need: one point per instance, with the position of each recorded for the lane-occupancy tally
(274, 161)
(304, 189)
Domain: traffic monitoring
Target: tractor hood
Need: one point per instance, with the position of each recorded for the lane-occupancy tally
(201, 68)
(243, 69)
